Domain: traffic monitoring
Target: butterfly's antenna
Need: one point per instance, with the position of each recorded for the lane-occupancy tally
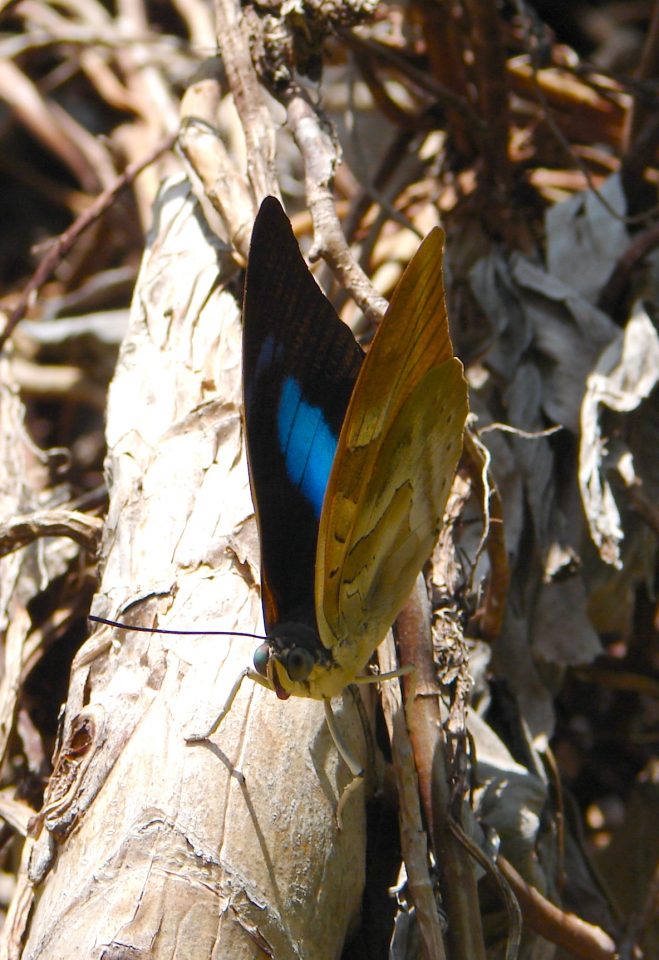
(178, 633)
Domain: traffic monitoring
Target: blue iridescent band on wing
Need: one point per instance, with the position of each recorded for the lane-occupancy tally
(307, 443)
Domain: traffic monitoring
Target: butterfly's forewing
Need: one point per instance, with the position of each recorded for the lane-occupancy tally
(300, 362)
(392, 472)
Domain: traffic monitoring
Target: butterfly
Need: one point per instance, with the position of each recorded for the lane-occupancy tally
(351, 457)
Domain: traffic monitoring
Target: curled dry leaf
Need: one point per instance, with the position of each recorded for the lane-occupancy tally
(624, 376)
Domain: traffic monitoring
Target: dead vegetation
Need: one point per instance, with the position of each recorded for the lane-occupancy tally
(534, 773)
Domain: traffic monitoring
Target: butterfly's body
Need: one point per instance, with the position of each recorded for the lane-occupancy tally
(350, 460)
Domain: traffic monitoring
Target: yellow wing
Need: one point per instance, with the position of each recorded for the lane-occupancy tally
(397, 454)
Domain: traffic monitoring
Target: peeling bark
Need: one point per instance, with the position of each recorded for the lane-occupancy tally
(227, 848)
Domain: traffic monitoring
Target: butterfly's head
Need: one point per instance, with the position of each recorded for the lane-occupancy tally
(288, 658)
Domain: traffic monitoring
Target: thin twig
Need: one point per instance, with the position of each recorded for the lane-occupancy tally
(412, 834)
(401, 117)
(62, 244)
(612, 293)
(477, 462)
(503, 886)
(390, 162)
(458, 879)
(320, 157)
(258, 128)
(52, 126)
(213, 171)
(425, 81)
(79, 527)
(566, 930)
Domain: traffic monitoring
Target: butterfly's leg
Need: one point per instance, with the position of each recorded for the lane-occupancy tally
(391, 675)
(233, 693)
(353, 765)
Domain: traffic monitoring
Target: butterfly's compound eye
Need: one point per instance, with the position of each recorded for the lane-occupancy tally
(262, 658)
(298, 663)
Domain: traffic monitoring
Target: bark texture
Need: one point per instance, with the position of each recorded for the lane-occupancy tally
(184, 847)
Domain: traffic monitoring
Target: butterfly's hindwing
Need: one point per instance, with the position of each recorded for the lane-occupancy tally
(397, 519)
(397, 454)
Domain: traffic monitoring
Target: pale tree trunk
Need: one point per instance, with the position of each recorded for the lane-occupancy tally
(228, 848)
